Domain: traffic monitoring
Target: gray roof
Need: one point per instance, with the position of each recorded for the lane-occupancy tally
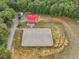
(37, 37)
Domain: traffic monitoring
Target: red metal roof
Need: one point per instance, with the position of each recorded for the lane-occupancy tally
(32, 18)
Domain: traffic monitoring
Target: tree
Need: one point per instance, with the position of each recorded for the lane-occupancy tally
(30, 7)
(3, 36)
(3, 6)
(71, 9)
(4, 54)
(8, 14)
(22, 4)
(2, 24)
(43, 8)
(56, 10)
(1, 20)
(14, 5)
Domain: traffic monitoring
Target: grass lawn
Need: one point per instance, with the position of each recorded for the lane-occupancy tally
(45, 24)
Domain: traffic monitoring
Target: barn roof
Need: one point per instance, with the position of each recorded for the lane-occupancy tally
(32, 18)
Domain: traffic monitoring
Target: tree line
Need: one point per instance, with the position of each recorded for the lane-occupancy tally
(68, 8)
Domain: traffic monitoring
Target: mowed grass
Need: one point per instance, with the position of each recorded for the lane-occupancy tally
(47, 24)
(40, 24)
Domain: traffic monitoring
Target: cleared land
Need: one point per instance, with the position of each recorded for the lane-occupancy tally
(59, 37)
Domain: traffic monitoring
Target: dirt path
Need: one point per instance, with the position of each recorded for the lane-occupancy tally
(74, 42)
(71, 52)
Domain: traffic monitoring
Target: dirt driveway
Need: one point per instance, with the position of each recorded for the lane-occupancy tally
(72, 51)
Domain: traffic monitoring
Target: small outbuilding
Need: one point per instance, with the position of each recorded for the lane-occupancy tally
(32, 18)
